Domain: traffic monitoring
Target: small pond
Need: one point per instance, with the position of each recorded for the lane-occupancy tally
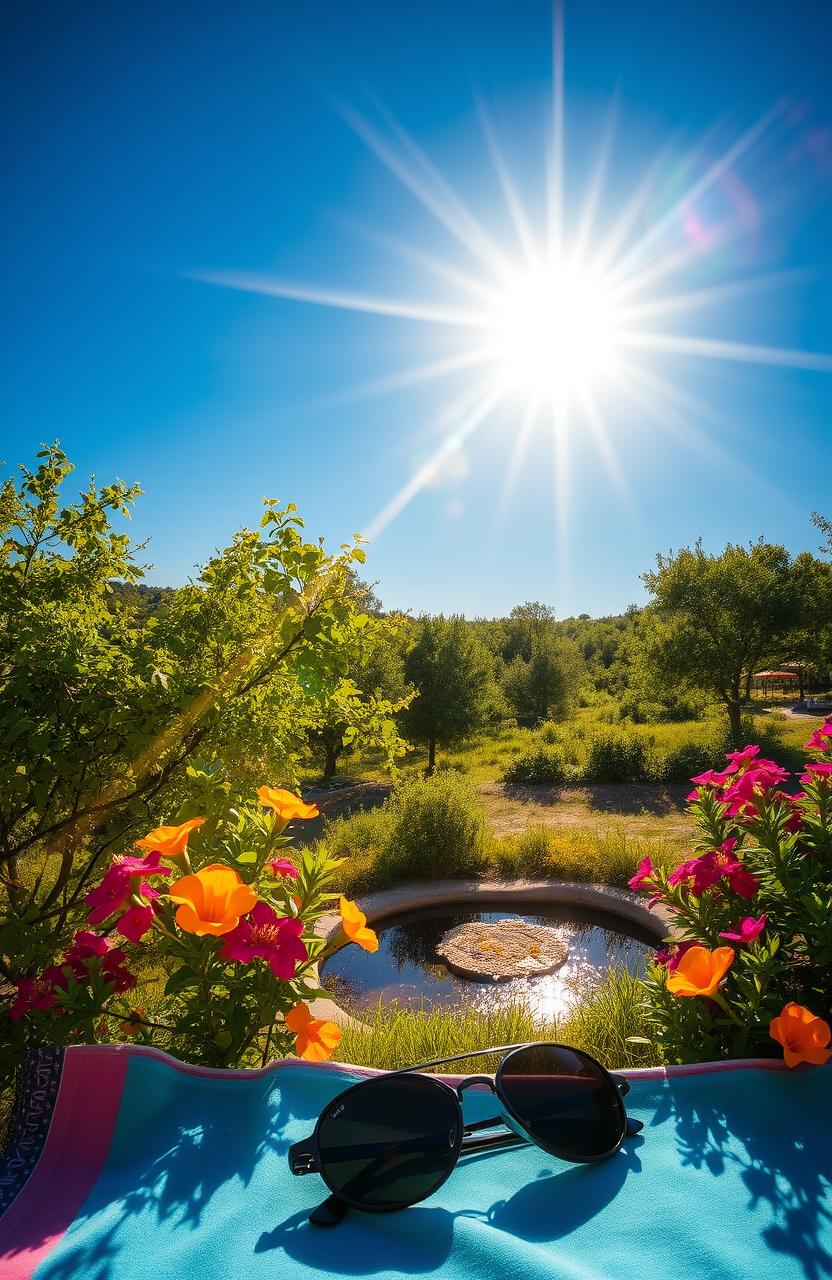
(406, 968)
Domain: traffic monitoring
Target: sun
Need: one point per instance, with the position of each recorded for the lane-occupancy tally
(556, 331)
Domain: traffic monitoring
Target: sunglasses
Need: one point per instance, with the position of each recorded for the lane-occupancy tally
(392, 1141)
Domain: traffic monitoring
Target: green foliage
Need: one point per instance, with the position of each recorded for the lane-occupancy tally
(544, 765)
(437, 828)
(763, 858)
(618, 757)
(608, 857)
(453, 675)
(544, 685)
(604, 1025)
(715, 618)
(108, 697)
(167, 983)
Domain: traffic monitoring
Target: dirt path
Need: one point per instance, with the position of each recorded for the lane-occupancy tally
(644, 809)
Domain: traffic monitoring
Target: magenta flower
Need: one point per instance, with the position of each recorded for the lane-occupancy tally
(815, 771)
(747, 930)
(283, 867)
(276, 939)
(135, 923)
(739, 758)
(682, 872)
(89, 946)
(821, 739)
(109, 895)
(150, 866)
(670, 956)
(742, 882)
(35, 993)
(643, 876)
(759, 779)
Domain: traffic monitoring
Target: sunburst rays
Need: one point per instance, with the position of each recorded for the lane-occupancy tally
(643, 271)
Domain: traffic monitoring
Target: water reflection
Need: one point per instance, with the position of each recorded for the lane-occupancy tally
(406, 967)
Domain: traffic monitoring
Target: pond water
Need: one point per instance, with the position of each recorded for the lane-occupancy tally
(407, 970)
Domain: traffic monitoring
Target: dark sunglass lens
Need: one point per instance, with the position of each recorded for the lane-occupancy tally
(564, 1100)
(390, 1142)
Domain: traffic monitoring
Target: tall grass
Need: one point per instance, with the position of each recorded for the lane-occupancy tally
(602, 1025)
(608, 857)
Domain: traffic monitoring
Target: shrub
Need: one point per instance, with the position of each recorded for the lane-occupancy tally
(619, 757)
(749, 962)
(437, 828)
(429, 828)
(543, 765)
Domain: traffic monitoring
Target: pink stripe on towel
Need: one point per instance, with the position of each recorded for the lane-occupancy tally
(75, 1151)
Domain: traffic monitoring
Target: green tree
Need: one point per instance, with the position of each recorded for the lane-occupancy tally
(809, 643)
(375, 689)
(453, 675)
(714, 619)
(527, 623)
(545, 686)
(104, 703)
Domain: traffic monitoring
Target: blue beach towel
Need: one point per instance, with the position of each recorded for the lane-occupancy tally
(124, 1163)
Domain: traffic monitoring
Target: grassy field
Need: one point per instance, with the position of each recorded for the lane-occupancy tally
(484, 757)
(588, 832)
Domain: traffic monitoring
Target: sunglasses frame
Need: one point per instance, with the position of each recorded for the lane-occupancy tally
(305, 1156)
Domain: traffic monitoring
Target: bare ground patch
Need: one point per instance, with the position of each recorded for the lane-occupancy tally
(647, 809)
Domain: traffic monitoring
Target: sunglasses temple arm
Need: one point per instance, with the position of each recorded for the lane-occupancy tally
(329, 1213)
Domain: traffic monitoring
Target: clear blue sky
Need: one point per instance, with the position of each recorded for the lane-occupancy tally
(148, 146)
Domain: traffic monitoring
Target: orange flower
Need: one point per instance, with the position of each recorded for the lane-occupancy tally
(803, 1035)
(354, 923)
(700, 971)
(134, 1024)
(286, 805)
(213, 899)
(171, 842)
(315, 1039)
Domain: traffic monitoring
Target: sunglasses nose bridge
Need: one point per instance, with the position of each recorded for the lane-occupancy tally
(470, 1081)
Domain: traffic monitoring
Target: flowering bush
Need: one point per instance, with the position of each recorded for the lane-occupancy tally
(747, 966)
(201, 941)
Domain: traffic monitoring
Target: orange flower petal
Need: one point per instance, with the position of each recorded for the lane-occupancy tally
(803, 1035)
(212, 900)
(700, 971)
(286, 804)
(169, 841)
(354, 923)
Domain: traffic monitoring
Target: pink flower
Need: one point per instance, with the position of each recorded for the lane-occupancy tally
(742, 882)
(747, 930)
(794, 822)
(682, 872)
(120, 880)
(670, 956)
(89, 946)
(109, 895)
(135, 923)
(274, 938)
(758, 779)
(815, 771)
(739, 758)
(643, 876)
(150, 866)
(821, 739)
(283, 867)
(34, 993)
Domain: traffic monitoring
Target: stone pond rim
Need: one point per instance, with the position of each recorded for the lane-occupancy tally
(614, 903)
